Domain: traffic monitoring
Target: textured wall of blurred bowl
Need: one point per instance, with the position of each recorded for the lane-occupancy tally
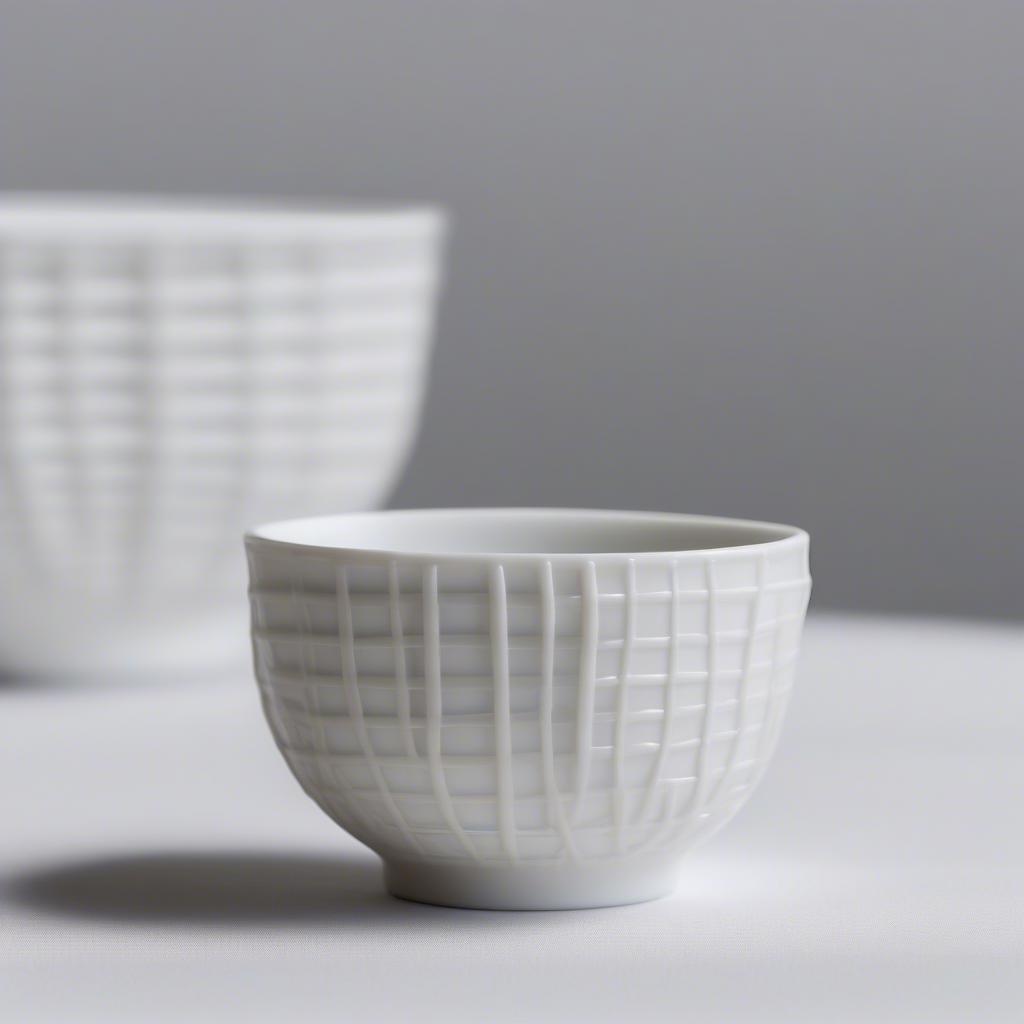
(171, 373)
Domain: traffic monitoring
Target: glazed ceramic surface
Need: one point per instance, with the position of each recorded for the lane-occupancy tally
(527, 708)
(170, 374)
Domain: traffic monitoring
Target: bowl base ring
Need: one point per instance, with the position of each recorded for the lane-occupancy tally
(529, 887)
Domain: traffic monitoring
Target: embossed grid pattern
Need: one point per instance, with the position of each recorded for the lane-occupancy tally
(540, 713)
(158, 393)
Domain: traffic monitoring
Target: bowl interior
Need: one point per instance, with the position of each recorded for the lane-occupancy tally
(522, 531)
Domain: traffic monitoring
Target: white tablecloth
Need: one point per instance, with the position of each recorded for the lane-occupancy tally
(159, 863)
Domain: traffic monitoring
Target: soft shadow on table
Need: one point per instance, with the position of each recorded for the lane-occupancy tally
(105, 684)
(226, 888)
(12, 683)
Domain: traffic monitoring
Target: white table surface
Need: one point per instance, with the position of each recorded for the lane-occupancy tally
(157, 862)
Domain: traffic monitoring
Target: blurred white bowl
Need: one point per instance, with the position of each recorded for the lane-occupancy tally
(527, 708)
(171, 373)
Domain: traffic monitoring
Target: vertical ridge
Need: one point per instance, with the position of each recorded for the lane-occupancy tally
(401, 669)
(744, 684)
(237, 478)
(622, 706)
(79, 509)
(350, 679)
(704, 751)
(432, 673)
(760, 754)
(502, 712)
(19, 529)
(587, 676)
(684, 824)
(303, 625)
(776, 707)
(556, 811)
(668, 703)
(139, 548)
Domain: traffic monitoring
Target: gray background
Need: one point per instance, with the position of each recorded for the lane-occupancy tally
(757, 259)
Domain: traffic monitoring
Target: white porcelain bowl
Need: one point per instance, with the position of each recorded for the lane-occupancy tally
(527, 708)
(170, 373)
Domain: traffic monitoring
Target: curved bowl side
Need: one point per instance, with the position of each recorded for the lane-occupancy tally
(600, 711)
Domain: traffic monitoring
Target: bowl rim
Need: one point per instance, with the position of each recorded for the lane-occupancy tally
(778, 537)
(111, 217)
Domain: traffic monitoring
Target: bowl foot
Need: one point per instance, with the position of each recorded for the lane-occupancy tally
(528, 887)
